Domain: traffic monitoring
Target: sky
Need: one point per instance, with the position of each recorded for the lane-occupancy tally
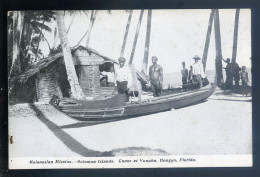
(176, 36)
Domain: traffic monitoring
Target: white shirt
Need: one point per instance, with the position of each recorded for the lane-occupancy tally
(110, 76)
(197, 68)
(124, 74)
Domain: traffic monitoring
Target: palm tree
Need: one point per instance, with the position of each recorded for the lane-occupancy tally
(92, 20)
(136, 36)
(234, 52)
(218, 47)
(76, 90)
(147, 42)
(206, 48)
(126, 33)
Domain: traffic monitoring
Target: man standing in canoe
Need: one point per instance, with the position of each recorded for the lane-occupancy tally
(156, 77)
(198, 71)
(185, 75)
(123, 78)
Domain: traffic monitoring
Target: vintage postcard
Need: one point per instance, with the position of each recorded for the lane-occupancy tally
(129, 88)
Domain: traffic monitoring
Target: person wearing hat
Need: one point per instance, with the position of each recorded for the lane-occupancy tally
(123, 78)
(197, 71)
(156, 77)
(229, 74)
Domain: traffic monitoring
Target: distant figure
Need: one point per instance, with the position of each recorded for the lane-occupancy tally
(123, 78)
(190, 74)
(185, 74)
(245, 80)
(236, 69)
(229, 74)
(156, 77)
(197, 71)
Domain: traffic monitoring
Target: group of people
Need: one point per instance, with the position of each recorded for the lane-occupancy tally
(196, 73)
(235, 73)
(123, 78)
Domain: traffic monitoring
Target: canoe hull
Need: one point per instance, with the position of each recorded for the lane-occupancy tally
(159, 104)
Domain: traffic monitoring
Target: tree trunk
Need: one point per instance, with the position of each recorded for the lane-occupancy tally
(147, 42)
(55, 38)
(218, 48)
(92, 20)
(76, 91)
(206, 47)
(126, 33)
(234, 52)
(36, 54)
(136, 36)
(71, 22)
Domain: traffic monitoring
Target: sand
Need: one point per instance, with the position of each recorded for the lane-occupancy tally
(221, 125)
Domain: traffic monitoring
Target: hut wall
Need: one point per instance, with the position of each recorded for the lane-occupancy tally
(89, 79)
(47, 84)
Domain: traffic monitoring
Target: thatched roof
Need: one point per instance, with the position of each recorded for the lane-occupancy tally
(44, 62)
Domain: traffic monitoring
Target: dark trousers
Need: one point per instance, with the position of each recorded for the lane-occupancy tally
(198, 78)
(184, 83)
(122, 89)
(156, 88)
(229, 82)
(236, 79)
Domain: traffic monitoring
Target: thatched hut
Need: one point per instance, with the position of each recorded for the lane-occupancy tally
(48, 77)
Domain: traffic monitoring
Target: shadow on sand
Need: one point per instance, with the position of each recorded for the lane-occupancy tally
(68, 140)
(78, 148)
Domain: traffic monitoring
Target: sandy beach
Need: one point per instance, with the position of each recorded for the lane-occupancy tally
(220, 125)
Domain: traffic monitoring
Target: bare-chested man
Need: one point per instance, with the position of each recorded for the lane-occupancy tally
(156, 77)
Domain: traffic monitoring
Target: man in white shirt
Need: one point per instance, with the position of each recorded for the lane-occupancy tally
(123, 78)
(197, 71)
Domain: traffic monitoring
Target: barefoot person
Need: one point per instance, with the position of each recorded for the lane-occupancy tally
(123, 78)
(245, 80)
(197, 71)
(184, 73)
(156, 77)
(229, 74)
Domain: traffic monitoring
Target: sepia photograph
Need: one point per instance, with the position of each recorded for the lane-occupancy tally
(144, 88)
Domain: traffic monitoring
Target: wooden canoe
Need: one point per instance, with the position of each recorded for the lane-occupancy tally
(115, 108)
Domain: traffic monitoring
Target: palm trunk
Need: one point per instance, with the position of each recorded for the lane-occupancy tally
(147, 42)
(36, 54)
(92, 20)
(136, 36)
(76, 91)
(126, 33)
(206, 47)
(234, 52)
(71, 22)
(55, 38)
(218, 48)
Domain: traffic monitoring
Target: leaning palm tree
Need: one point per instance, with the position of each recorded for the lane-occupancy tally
(136, 36)
(206, 47)
(147, 42)
(126, 33)
(92, 20)
(234, 52)
(76, 90)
